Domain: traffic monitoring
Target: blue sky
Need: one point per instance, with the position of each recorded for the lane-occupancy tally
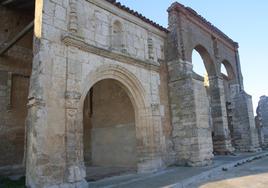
(245, 21)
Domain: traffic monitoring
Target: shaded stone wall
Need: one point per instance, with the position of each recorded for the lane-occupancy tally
(244, 128)
(262, 119)
(15, 69)
(112, 126)
(191, 134)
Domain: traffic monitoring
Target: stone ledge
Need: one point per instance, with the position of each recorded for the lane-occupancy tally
(75, 41)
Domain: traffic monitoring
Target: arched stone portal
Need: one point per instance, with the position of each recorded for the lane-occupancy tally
(148, 150)
(109, 131)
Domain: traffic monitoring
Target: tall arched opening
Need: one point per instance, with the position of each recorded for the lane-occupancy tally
(202, 68)
(109, 131)
(210, 101)
(228, 76)
(148, 153)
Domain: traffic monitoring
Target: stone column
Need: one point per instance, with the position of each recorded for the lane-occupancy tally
(191, 134)
(221, 138)
(75, 173)
(259, 126)
(262, 119)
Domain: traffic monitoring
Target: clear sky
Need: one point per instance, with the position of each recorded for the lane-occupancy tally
(245, 21)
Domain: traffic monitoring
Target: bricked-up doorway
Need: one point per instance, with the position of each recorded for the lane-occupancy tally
(109, 131)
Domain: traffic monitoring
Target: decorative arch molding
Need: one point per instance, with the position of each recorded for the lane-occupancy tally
(128, 80)
(149, 154)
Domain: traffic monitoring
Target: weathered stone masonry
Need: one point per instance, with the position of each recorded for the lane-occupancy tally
(262, 121)
(100, 71)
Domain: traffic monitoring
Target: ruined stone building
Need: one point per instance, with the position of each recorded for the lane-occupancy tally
(86, 84)
(262, 121)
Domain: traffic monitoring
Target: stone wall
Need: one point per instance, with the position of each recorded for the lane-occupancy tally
(245, 135)
(15, 69)
(112, 126)
(262, 118)
(73, 56)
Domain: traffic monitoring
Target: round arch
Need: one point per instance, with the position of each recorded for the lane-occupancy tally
(143, 114)
(208, 62)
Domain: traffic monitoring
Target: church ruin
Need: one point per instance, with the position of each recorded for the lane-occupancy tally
(91, 84)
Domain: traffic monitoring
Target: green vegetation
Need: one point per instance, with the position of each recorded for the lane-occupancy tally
(7, 183)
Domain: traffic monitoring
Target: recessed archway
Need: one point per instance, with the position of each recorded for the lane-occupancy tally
(109, 131)
(148, 151)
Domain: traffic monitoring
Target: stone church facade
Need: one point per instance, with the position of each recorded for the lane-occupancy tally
(93, 83)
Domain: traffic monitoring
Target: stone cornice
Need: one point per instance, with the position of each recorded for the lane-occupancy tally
(78, 42)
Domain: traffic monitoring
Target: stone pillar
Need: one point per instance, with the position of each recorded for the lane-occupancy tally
(221, 138)
(75, 173)
(245, 132)
(262, 118)
(191, 134)
(259, 126)
(51, 109)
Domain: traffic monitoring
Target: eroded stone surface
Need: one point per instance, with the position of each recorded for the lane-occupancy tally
(262, 121)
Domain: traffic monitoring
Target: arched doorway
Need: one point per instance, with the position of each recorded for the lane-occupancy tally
(109, 131)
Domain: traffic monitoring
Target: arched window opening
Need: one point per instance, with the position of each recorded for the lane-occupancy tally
(199, 67)
(224, 71)
(227, 70)
(117, 35)
(198, 64)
